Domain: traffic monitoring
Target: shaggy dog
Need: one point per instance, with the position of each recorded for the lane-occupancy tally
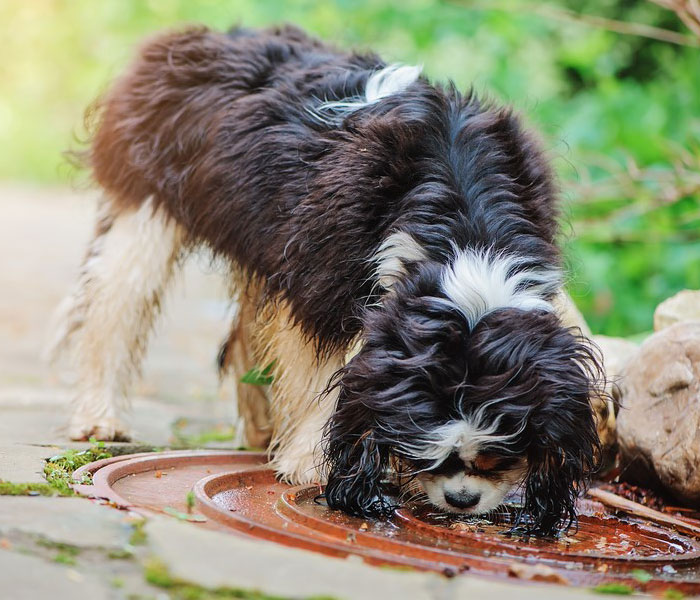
(391, 243)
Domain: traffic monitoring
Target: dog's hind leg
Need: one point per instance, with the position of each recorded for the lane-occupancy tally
(128, 266)
(237, 356)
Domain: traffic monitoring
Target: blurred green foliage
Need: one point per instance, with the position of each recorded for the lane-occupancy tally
(620, 113)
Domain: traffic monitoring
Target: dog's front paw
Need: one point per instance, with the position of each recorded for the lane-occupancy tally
(105, 429)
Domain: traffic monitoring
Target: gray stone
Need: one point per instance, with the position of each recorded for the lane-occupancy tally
(215, 559)
(659, 424)
(603, 411)
(24, 577)
(684, 306)
(617, 352)
(23, 463)
(73, 521)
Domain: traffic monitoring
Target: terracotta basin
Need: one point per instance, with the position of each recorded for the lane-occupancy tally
(235, 492)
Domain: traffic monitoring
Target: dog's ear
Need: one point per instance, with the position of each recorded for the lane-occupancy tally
(565, 448)
(556, 477)
(356, 462)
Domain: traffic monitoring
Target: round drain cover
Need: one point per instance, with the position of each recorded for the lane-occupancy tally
(235, 492)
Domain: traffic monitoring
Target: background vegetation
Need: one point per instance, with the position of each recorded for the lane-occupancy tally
(620, 111)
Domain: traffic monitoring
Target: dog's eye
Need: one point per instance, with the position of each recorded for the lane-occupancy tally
(451, 465)
(486, 462)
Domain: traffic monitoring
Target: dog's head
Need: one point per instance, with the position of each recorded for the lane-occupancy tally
(473, 405)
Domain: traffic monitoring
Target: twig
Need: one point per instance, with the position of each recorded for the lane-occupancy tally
(563, 14)
(639, 510)
(687, 10)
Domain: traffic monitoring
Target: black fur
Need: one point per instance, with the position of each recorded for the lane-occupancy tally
(226, 134)
(421, 366)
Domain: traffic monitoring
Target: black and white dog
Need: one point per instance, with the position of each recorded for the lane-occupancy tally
(392, 244)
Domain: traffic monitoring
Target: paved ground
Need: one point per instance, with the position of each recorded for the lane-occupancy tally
(72, 548)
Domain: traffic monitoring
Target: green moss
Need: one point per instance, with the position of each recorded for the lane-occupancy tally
(617, 589)
(9, 488)
(59, 469)
(120, 554)
(65, 558)
(69, 548)
(117, 583)
(672, 594)
(138, 535)
(156, 573)
(181, 438)
(66, 554)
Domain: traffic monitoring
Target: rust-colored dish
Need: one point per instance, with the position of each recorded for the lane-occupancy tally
(152, 481)
(236, 493)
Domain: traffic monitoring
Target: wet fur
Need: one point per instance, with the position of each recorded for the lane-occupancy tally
(228, 137)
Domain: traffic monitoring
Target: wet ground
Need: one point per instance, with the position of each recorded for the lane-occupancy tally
(73, 548)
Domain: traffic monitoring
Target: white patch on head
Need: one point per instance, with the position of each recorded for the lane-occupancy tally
(390, 80)
(465, 436)
(393, 254)
(481, 281)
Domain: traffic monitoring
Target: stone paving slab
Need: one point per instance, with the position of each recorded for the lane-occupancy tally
(73, 521)
(179, 381)
(39, 416)
(24, 577)
(214, 559)
(23, 463)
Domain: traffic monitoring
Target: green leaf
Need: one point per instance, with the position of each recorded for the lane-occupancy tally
(257, 377)
(173, 512)
(618, 589)
(642, 576)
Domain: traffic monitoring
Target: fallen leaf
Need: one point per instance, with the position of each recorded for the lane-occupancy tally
(173, 512)
(642, 576)
(536, 573)
(618, 589)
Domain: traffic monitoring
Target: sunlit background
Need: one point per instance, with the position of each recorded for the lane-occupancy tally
(614, 86)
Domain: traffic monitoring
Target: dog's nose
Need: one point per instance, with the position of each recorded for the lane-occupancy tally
(462, 499)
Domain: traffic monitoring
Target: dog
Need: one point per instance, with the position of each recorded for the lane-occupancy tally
(392, 246)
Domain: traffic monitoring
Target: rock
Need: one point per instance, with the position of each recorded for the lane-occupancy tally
(216, 559)
(23, 463)
(684, 306)
(73, 521)
(616, 354)
(603, 408)
(25, 577)
(659, 423)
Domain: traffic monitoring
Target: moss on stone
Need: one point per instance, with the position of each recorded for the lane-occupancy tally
(59, 469)
(156, 573)
(11, 488)
(138, 534)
